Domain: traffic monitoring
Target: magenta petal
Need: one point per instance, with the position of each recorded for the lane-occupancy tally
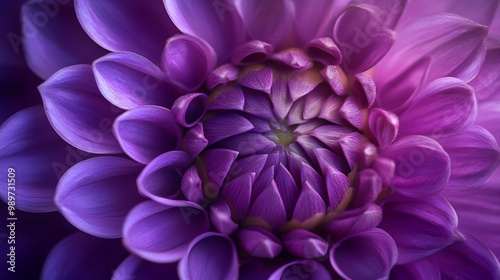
(78, 112)
(303, 269)
(27, 140)
(267, 21)
(305, 244)
(362, 39)
(293, 58)
(160, 233)
(218, 23)
(146, 132)
(325, 51)
(72, 257)
(252, 52)
(161, 179)
(353, 221)
(444, 106)
(53, 38)
(422, 166)
(476, 146)
(217, 164)
(210, 255)
(260, 79)
(128, 81)
(237, 194)
(259, 242)
(187, 61)
(189, 109)
(309, 204)
(384, 126)
(486, 84)
(133, 266)
(352, 112)
(366, 255)
(302, 83)
(103, 215)
(221, 75)
(332, 76)
(419, 227)
(220, 216)
(130, 26)
(269, 207)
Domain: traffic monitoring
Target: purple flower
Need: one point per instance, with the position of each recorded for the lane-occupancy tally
(264, 139)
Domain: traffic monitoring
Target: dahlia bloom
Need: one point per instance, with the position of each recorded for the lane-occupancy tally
(264, 139)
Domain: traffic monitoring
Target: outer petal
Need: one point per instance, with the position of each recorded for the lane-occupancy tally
(366, 255)
(126, 26)
(218, 23)
(77, 110)
(487, 84)
(95, 195)
(30, 146)
(135, 267)
(147, 132)
(72, 257)
(422, 166)
(128, 80)
(53, 38)
(259, 242)
(303, 269)
(160, 233)
(210, 255)
(305, 244)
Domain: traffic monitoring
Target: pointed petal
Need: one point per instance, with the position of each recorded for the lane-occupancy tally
(252, 52)
(336, 187)
(304, 244)
(46, 44)
(259, 242)
(258, 104)
(102, 215)
(301, 83)
(351, 145)
(131, 26)
(39, 157)
(160, 233)
(287, 188)
(269, 207)
(78, 112)
(250, 164)
(231, 98)
(63, 263)
(362, 39)
(189, 108)
(133, 266)
(225, 125)
(366, 255)
(210, 254)
(217, 164)
(248, 144)
(146, 132)
(260, 79)
(187, 61)
(218, 23)
(280, 97)
(161, 179)
(419, 227)
(444, 106)
(352, 112)
(220, 216)
(422, 166)
(237, 194)
(128, 80)
(308, 204)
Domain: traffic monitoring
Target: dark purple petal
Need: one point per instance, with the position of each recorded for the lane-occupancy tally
(260, 78)
(336, 187)
(135, 267)
(304, 244)
(128, 81)
(269, 207)
(258, 104)
(27, 140)
(365, 255)
(324, 50)
(224, 74)
(189, 109)
(220, 216)
(194, 140)
(287, 188)
(146, 132)
(474, 157)
(72, 257)
(362, 39)
(368, 188)
(237, 194)
(217, 164)
(130, 26)
(384, 126)
(422, 166)
(225, 125)
(160, 233)
(443, 106)
(191, 185)
(254, 268)
(78, 112)
(418, 270)
(252, 52)
(96, 195)
(210, 255)
(187, 61)
(161, 179)
(259, 242)
(52, 37)
(303, 269)
(309, 204)
(227, 99)
(251, 164)
(420, 227)
(218, 23)
(353, 221)
(248, 144)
